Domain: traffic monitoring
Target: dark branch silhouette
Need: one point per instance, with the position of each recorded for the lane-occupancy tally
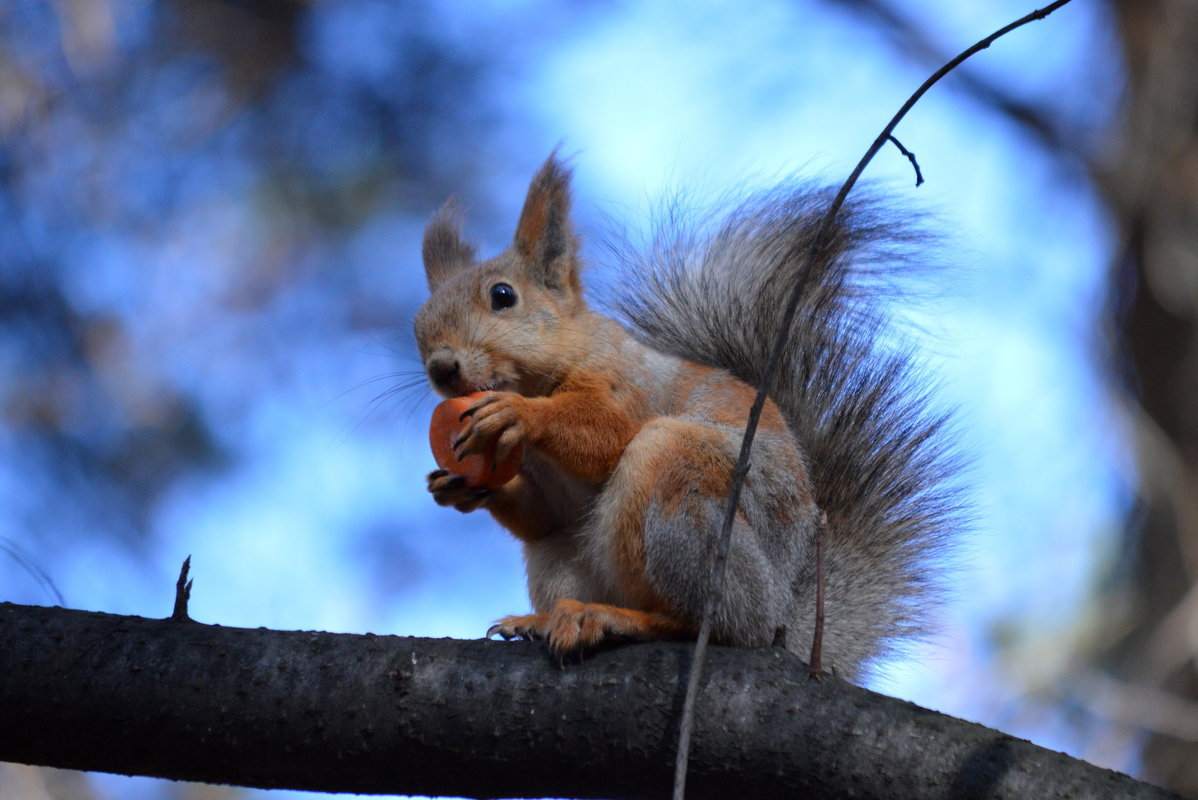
(388, 714)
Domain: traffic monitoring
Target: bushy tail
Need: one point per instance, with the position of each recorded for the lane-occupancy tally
(878, 458)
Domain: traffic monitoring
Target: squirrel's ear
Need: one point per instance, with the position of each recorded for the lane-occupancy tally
(544, 236)
(443, 249)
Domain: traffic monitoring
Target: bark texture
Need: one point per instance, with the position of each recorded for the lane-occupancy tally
(386, 714)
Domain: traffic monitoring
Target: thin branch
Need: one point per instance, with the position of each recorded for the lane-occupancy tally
(910, 157)
(814, 253)
(1137, 705)
(911, 39)
(815, 669)
(182, 594)
(28, 564)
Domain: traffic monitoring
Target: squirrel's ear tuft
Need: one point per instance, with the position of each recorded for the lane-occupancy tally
(443, 249)
(544, 235)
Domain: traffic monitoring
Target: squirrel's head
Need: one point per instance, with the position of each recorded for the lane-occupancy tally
(507, 323)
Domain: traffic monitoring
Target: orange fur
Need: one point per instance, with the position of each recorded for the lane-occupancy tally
(532, 225)
(725, 399)
(628, 542)
(519, 508)
(573, 626)
(581, 426)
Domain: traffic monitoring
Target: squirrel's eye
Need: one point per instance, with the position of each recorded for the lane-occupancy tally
(502, 296)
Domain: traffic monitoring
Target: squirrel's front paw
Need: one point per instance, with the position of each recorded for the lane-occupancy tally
(451, 490)
(498, 417)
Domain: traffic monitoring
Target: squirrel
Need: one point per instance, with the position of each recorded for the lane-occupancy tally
(631, 431)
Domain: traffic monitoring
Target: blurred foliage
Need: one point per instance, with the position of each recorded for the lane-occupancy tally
(1149, 670)
(178, 185)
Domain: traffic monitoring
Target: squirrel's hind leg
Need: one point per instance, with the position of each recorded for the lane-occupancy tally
(662, 514)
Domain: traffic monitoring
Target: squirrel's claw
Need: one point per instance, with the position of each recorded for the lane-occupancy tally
(493, 417)
(451, 490)
(574, 628)
(490, 398)
(525, 626)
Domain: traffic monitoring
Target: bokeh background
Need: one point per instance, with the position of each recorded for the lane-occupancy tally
(210, 216)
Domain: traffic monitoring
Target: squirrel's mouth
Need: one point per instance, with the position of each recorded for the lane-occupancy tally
(460, 388)
(454, 373)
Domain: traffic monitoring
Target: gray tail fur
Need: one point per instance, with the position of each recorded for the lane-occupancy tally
(879, 458)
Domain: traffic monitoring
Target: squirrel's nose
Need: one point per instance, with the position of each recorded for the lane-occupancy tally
(443, 369)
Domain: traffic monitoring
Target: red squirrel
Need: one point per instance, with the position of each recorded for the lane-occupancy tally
(630, 434)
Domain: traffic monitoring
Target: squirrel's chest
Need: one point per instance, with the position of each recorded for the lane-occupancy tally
(566, 498)
(563, 563)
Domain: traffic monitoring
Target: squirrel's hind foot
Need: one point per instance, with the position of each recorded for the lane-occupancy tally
(574, 627)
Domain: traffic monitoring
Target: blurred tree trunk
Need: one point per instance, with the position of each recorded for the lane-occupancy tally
(1151, 186)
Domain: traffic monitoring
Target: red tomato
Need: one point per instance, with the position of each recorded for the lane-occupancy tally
(477, 467)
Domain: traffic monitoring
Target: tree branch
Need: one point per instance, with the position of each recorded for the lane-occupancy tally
(385, 714)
